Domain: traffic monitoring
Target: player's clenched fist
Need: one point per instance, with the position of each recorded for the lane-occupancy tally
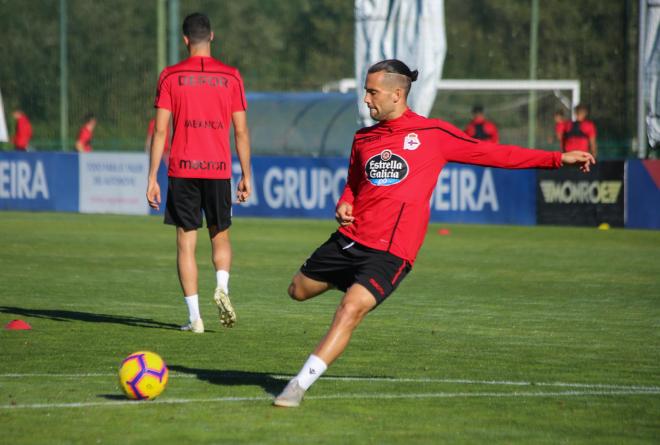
(153, 195)
(243, 190)
(344, 214)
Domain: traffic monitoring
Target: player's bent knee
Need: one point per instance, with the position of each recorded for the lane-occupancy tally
(295, 293)
(351, 314)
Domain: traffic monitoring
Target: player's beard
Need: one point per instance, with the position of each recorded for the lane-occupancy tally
(375, 114)
(380, 114)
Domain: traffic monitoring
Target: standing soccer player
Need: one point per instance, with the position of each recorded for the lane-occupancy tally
(203, 96)
(580, 134)
(384, 210)
(23, 134)
(86, 134)
(480, 127)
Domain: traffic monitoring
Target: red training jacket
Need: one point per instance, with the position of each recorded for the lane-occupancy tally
(394, 169)
(23, 133)
(484, 130)
(576, 135)
(202, 93)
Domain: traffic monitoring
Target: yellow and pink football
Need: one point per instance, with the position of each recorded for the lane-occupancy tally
(143, 375)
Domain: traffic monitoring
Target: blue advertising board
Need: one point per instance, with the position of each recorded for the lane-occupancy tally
(310, 187)
(643, 194)
(293, 187)
(39, 181)
(471, 194)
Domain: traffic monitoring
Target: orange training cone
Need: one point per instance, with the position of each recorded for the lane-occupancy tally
(18, 325)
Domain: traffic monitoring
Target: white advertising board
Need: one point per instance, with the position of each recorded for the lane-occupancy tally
(113, 183)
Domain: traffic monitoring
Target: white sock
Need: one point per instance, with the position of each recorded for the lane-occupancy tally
(313, 369)
(192, 302)
(223, 279)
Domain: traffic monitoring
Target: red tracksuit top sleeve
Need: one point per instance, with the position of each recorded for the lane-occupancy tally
(463, 149)
(352, 180)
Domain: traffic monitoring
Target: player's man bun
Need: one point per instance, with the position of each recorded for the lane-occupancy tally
(395, 66)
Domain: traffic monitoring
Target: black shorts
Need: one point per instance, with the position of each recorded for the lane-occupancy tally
(342, 262)
(188, 197)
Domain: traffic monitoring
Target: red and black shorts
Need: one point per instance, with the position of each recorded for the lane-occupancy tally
(187, 198)
(342, 262)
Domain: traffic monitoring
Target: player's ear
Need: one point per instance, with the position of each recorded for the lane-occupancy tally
(212, 36)
(186, 40)
(397, 95)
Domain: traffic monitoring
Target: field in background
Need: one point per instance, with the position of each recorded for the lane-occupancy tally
(499, 335)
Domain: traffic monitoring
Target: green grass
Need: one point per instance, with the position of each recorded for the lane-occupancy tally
(487, 303)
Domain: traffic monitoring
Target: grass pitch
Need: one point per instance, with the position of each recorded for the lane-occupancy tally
(499, 335)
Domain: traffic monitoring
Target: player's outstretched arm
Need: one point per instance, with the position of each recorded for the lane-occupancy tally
(582, 159)
(157, 148)
(242, 140)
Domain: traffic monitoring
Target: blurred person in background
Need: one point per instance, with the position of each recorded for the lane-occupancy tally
(579, 134)
(480, 127)
(23, 134)
(560, 120)
(86, 133)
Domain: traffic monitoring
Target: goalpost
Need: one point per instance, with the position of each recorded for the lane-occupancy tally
(346, 85)
(514, 85)
(509, 100)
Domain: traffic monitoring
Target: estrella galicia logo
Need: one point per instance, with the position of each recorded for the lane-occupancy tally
(386, 168)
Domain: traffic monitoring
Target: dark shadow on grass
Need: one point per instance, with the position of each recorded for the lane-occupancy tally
(67, 316)
(113, 397)
(270, 383)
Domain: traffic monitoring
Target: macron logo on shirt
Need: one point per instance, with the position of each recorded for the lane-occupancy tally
(185, 164)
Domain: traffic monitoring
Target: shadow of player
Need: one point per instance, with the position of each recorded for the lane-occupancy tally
(270, 383)
(67, 316)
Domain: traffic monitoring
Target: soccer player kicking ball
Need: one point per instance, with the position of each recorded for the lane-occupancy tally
(384, 210)
(203, 96)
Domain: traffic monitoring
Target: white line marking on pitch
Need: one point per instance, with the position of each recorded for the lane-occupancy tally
(219, 375)
(433, 395)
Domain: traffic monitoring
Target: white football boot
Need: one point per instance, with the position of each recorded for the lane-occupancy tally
(291, 396)
(196, 326)
(225, 309)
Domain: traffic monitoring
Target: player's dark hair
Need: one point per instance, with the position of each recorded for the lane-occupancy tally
(197, 27)
(477, 109)
(394, 66)
(88, 117)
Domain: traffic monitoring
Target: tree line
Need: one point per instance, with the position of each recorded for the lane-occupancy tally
(298, 45)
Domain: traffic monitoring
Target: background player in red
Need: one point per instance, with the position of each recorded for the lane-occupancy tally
(86, 134)
(580, 134)
(23, 134)
(204, 97)
(560, 121)
(480, 127)
(384, 210)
